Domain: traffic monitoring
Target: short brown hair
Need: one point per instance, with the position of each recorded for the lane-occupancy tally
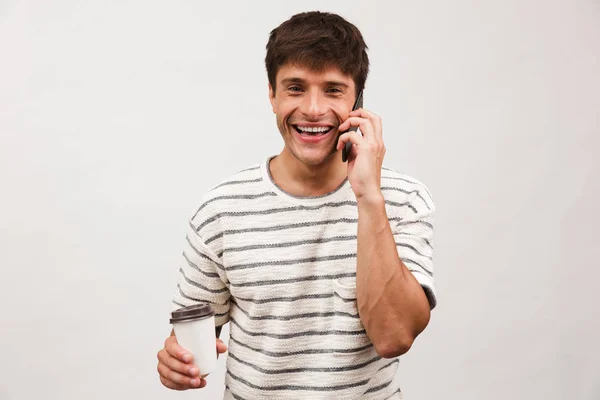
(318, 40)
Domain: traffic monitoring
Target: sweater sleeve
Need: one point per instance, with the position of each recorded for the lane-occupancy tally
(414, 241)
(202, 278)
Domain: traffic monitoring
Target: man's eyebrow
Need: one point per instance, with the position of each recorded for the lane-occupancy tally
(292, 80)
(336, 83)
(301, 81)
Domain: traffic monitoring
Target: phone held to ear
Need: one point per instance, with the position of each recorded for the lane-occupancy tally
(346, 150)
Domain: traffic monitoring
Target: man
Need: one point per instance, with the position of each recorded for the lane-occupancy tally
(322, 267)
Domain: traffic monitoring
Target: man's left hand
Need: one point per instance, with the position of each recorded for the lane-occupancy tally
(366, 157)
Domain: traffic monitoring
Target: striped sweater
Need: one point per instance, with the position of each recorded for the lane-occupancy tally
(281, 269)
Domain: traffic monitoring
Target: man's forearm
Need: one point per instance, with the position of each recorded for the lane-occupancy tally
(391, 303)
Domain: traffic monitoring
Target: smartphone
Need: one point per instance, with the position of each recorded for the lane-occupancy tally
(346, 150)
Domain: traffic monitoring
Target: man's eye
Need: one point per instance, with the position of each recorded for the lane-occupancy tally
(295, 89)
(334, 90)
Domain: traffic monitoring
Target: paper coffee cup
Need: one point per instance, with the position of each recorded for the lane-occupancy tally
(195, 331)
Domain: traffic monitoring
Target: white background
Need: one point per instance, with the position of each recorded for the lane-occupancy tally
(115, 117)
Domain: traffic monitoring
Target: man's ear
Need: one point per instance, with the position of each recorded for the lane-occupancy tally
(272, 98)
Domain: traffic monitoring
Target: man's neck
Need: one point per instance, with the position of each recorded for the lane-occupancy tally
(303, 180)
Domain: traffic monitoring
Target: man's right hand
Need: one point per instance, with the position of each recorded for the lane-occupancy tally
(176, 367)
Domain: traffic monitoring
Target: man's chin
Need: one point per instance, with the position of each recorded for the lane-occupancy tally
(314, 160)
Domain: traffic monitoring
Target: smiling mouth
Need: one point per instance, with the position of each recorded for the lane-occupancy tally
(312, 131)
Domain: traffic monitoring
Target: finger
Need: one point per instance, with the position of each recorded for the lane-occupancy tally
(221, 346)
(177, 379)
(172, 385)
(352, 137)
(175, 350)
(374, 118)
(198, 383)
(202, 384)
(366, 128)
(176, 386)
(178, 366)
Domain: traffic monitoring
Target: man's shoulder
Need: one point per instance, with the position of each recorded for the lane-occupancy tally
(226, 195)
(404, 189)
(236, 182)
(391, 177)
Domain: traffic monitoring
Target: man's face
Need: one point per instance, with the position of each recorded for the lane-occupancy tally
(309, 107)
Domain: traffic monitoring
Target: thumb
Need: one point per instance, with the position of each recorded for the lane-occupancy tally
(221, 346)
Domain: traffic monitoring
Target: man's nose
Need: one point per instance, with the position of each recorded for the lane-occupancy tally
(314, 105)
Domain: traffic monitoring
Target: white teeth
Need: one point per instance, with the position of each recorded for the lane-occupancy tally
(314, 129)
